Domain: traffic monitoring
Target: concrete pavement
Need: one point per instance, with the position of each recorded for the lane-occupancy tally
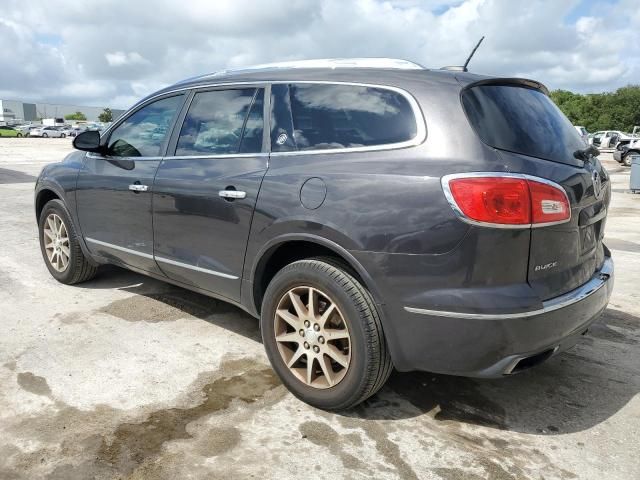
(128, 377)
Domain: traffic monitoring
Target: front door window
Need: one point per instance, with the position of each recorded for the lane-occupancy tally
(143, 134)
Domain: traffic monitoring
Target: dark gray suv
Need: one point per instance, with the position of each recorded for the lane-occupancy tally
(372, 213)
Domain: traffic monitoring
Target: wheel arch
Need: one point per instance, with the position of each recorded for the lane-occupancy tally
(289, 248)
(44, 196)
(48, 191)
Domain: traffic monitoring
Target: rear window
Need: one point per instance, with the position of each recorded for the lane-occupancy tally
(328, 116)
(521, 120)
(223, 122)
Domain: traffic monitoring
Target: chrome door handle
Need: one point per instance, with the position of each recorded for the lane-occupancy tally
(232, 194)
(136, 187)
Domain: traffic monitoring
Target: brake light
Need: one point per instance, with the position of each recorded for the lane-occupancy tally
(549, 204)
(509, 200)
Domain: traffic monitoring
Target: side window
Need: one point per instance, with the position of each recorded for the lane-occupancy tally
(254, 126)
(217, 120)
(144, 132)
(337, 116)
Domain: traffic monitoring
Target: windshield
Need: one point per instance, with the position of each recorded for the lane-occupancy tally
(521, 120)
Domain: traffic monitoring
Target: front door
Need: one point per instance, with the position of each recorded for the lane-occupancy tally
(114, 190)
(204, 194)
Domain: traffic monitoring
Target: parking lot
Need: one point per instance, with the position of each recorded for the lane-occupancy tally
(128, 377)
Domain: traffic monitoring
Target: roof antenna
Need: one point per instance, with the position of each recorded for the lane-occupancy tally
(464, 67)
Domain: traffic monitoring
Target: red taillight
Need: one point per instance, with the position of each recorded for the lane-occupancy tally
(516, 200)
(548, 203)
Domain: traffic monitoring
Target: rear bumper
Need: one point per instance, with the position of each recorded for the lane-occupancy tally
(494, 344)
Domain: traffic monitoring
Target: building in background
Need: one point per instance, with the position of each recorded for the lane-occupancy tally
(14, 111)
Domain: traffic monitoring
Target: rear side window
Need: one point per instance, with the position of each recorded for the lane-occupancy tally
(328, 116)
(521, 120)
(223, 122)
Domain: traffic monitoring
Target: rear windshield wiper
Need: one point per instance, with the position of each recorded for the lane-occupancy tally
(586, 153)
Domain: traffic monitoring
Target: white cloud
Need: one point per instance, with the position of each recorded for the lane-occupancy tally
(114, 52)
(120, 59)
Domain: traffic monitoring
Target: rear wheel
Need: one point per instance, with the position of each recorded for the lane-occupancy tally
(322, 334)
(60, 246)
(45, 135)
(63, 136)
(19, 135)
(626, 160)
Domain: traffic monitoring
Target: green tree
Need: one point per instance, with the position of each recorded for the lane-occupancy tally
(75, 116)
(106, 116)
(619, 110)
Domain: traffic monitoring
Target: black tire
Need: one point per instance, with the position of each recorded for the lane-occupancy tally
(626, 159)
(370, 364)
(19, 135)
(79, 269)
(63, 136)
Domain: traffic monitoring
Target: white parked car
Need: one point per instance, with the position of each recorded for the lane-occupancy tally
(609, 138)
(47, 132)
(583, 132)
(26, 129)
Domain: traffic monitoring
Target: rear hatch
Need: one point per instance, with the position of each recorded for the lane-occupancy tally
(532, 136)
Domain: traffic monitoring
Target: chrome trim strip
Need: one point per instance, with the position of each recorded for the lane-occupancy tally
(117, 159)
(222, 155)
(160, 259)
(197, 269)
(118, 247)
(577, 295)
(444, 181)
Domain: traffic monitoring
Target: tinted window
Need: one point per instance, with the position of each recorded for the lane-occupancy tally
(343, 116)
(521, 120)
(144, 132)
(254, 127)
(216, 122)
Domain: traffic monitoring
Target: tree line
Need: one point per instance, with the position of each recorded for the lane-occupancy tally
(619, 110)
(105, 117)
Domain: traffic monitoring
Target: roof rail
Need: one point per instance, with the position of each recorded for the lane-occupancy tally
(373, 62)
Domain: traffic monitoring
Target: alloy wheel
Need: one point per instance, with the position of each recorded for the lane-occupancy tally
(56, 242)
(312, 337)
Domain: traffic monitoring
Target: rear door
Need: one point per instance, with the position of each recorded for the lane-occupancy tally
(532, 136)
(206, 189)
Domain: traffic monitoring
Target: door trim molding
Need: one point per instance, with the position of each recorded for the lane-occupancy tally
(161, 259)
(197, 269)
(118, 247)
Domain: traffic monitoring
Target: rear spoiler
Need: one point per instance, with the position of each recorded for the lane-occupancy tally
(522, 82)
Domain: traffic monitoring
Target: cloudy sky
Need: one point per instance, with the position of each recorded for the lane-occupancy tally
(112, 52)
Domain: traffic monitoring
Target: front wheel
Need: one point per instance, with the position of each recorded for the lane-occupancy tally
(19, 135)
(45, 135)
(60, 246)
(63, 136)
(323, 336)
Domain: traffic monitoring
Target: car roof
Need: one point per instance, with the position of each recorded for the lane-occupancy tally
(374, 71)
(371, 71)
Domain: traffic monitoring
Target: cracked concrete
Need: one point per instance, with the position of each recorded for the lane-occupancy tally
(127, 377)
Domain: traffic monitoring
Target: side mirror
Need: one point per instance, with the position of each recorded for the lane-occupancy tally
(88, 141)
